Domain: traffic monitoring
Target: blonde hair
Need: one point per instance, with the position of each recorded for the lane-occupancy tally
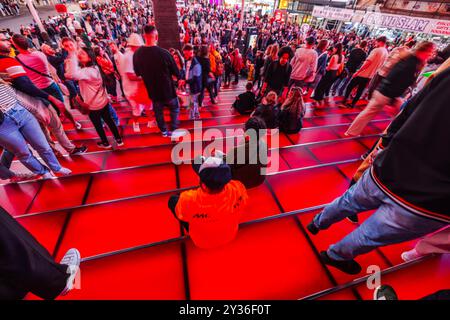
(271, 97)
(294, 103)
(274, 52)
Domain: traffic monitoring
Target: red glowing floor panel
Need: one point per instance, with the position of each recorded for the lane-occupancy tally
(261, 204)
(307, 188)
(369, 130)
(58, 194)
(338, 151)
(265, 261)
(138, 157)
(298, 157)
(313, 135)
(331, 120)
(16, 198)
(417, 281)
(154, 273)
(132, 182)
(46, 228)
(84, 163)
(116, 226)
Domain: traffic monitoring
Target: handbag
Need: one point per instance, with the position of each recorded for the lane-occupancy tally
(82, 106)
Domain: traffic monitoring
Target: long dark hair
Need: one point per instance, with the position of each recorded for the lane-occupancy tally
(338, 48)
(93, 63)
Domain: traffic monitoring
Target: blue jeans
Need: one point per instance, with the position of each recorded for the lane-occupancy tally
(72, 87)
(158, 108)
(340, 89)
(389, 224)
(55, 91)
(5, 163)
(113, 114)
(20, 127)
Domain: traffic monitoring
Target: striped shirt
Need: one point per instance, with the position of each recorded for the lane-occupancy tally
(8, 97)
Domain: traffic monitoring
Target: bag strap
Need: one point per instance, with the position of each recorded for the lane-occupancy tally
(32, 69)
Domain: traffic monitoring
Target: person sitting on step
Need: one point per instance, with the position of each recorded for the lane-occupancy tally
(211, 212)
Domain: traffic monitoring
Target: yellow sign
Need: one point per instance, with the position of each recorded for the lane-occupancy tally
(283, 4)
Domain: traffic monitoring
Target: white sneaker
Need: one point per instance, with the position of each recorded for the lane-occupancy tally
(136, 127)
(78, 125)
(72, 259)
(64, 171)
(411, 255)
(178, 134)
(47, 175)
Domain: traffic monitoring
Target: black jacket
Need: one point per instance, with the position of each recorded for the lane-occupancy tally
(269, 113)
(414, 167)
(245, 103)
(403, 74)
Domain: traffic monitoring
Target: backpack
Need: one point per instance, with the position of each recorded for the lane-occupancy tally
(220, 68)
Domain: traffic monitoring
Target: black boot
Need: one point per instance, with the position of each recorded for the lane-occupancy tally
(347, 266)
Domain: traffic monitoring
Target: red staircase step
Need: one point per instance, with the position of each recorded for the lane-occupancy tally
(313, 135)
(417, 281)
(138, 157)
(133, 182)
(266, 261)
(110, 227)
(338, 151)
(46, 228)
(15, 198)
(307, 188)
(260, 204)
(60, 193)
(154, 273)
(298, 157)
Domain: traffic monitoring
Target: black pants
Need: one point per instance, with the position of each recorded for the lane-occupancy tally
(110, 83)
(210, 89)
(96, 117)
(359, 82)
(236, 76)
(374, 84)
(324, 86)
(227, 78)
(173, 200)
(25, 265)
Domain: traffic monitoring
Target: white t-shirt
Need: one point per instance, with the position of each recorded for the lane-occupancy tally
(377, 58)
(126, 66)
(304, 64)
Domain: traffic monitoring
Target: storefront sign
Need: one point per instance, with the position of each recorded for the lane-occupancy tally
(391, 21)
(332, 13)
(440, 27)
(415, 24)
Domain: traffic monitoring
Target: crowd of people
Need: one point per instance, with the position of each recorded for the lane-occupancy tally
(9, 8)
(111, 53)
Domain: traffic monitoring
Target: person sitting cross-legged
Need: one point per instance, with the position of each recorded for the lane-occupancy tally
(245, 103)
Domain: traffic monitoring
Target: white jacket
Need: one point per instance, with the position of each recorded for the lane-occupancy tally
(90, 82)
(304, 65)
